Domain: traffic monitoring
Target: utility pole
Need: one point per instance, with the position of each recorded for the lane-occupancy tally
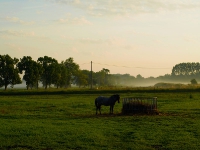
(91, 76)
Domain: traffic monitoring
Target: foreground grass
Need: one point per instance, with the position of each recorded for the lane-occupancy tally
(68, 121)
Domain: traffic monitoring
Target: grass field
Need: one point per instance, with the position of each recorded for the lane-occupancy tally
(68, 121)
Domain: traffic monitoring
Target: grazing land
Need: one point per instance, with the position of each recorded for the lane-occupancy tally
(68, 121)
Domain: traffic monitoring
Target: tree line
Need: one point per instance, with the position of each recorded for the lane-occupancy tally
(49, 71)
(46, 70)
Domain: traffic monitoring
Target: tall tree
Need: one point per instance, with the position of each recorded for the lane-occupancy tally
(186, 69)
(38, 71)
(81, 78)
(49, 68)
(63, 78)
(9, 73)
(60, 75)
(87, 77)
(72, 70)
(106, 72)
(32, 71)
(102, 77)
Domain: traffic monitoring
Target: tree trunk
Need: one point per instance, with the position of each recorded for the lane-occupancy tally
(37, 85)
(5, 83)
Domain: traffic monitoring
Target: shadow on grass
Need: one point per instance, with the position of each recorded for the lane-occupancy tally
(93, 115)
(159, 114)
(111, 115)
(24, 147)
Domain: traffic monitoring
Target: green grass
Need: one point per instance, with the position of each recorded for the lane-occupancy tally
(68, 121)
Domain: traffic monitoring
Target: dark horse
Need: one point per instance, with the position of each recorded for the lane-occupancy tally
(107, 101)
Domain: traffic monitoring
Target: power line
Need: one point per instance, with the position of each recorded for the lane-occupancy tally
(130, 67)
(127, 66)
(85, 63)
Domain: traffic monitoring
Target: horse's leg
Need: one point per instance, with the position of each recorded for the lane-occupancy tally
(112, 109)
(100, 109)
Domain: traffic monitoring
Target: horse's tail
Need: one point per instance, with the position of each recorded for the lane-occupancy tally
(96, 102)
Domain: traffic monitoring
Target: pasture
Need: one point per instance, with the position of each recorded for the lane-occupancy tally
(68, 121)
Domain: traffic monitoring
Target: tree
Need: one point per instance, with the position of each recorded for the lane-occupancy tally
(81, 79)
(87, 74)
(60, 75)
(63, 77)
(106, 72)
(72, 70)
(38, 70)
(101, 77)
(193, 81)
(139, 77)
(32, 71)
(49, 68)
(186, 69)
(9, 73)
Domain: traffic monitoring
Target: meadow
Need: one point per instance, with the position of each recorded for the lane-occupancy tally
(68, 121)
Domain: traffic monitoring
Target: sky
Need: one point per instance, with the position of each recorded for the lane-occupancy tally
(146, 37)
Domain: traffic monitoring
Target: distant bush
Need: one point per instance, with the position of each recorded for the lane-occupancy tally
(194, 81)
(169, 85)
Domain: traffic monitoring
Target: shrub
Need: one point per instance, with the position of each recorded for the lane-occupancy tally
(194, 81)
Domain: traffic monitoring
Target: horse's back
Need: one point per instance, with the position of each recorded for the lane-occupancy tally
(101, 100)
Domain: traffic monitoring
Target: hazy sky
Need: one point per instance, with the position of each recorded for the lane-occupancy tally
(146, 37)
